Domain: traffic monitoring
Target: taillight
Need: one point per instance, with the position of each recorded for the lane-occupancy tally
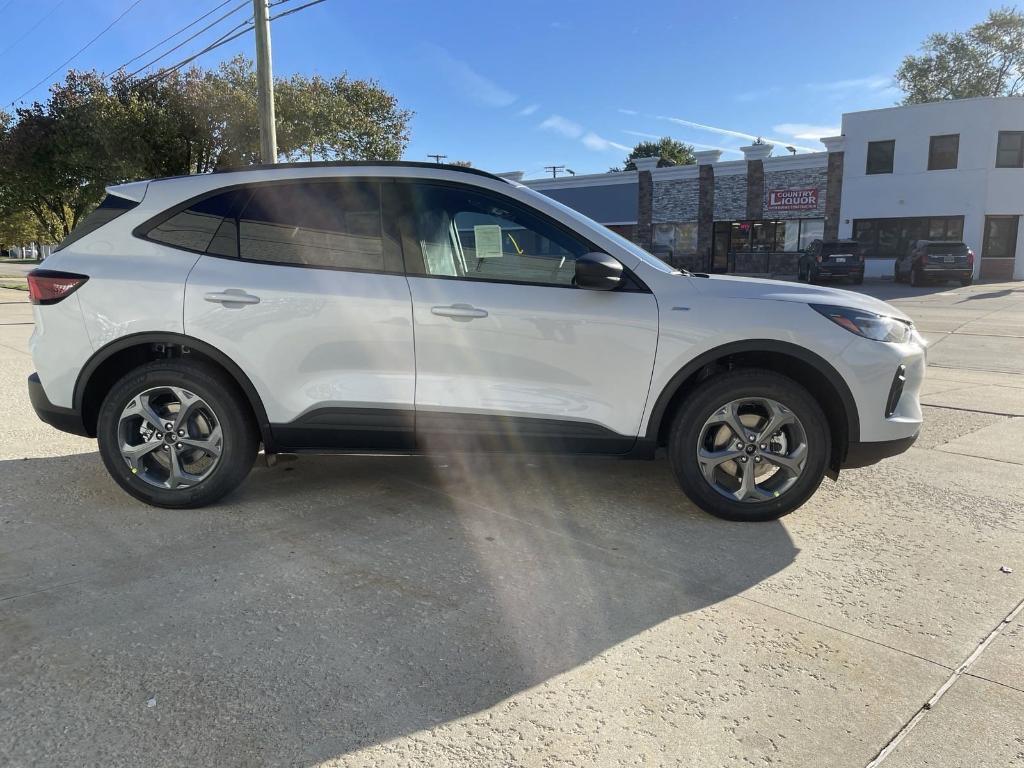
(47, 286)
(970, 258)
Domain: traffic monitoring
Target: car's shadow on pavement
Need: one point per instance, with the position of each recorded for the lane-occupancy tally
(332, 602)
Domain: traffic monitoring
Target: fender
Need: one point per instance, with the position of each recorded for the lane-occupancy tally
(181, 340)
(819, 363)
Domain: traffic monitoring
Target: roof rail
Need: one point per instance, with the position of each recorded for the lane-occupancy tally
(362, 163)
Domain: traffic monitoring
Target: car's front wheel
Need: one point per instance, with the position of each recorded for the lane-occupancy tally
(176, 433)
(749, 445)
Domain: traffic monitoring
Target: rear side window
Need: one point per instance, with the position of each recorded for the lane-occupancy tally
(206, 226)
(827, 249)
(108, 210)
(947, 248)
(328, 224)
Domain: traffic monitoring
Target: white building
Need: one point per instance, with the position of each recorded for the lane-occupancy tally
(950, 169)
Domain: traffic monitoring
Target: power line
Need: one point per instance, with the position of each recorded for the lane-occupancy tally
(295, 10)
(77, 53)
(33, 28)
(189, 39)
(222, 40)
(4, 6)
(172, 36)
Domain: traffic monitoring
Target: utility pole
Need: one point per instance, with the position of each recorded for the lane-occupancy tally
(438, 158)
(264, 82)
(555, 169)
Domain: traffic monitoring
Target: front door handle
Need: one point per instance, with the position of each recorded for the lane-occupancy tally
(232, 297)
(459, 312)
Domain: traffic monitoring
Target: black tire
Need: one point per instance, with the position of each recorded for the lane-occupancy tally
(240, 437)
(857, 279)
(916, 278)
(716, 392)
(967, 281)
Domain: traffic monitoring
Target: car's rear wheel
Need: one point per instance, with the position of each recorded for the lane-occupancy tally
(749, 445)
(966, 281)
(176, 433)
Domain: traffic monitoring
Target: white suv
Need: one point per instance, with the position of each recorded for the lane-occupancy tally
(343, 307)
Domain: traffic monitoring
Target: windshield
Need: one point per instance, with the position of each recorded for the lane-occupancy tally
(627, 245)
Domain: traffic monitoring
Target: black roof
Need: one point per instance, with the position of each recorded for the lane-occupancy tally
(362, 164)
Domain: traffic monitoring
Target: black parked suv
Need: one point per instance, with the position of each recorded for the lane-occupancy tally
(935, 260)
(832, 258)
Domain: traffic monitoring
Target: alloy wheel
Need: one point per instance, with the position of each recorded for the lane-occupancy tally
(752, 450)
(170, 437)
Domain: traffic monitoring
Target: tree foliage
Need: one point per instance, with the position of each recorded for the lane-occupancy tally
(57, 157)
(671, 152)
(986, 60)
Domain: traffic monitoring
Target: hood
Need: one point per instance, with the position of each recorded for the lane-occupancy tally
(729, 287)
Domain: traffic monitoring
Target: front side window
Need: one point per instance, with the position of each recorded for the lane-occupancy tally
(1010, 150)
(333, 224)
(880, 156)
(943, 151)
(473, 235)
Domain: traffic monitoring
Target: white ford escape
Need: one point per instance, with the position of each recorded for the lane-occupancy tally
(345, 307)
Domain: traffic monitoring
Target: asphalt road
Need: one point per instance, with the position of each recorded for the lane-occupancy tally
(408, 611)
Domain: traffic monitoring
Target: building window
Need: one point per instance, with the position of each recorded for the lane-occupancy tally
(880, 155)
(888, 238)
(675, 238)
(1010, 150)
(942, 152)
(767, 236)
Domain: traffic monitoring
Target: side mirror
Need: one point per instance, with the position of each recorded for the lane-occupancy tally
(598, 272)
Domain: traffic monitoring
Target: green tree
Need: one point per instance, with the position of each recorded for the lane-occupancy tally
(671, 152)
(986, 60)
(57, 157)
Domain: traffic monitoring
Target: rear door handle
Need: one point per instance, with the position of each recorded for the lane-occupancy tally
(232, 297)
(459, 312)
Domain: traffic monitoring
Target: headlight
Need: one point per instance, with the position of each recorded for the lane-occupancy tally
(867, 324)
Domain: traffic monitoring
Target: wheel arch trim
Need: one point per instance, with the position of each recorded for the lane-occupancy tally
(771, 346)
(100, 356)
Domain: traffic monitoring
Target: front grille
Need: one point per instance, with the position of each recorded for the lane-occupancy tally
(896, 390)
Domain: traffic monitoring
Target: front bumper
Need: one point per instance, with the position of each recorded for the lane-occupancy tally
(64, 419)
(866, 454)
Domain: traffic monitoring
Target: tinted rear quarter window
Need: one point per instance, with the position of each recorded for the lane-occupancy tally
(321, 224)
(109, 209)
(206, 225)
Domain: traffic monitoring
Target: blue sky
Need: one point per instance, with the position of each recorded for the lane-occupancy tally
(542, 83)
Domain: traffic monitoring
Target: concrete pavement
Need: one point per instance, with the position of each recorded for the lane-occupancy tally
(526, 611)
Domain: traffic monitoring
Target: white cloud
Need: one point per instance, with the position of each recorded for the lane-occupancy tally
(641, 134)
(529, 109)
(732, 133)
(627, 111)
(806, 130)
(870, 83)
(598, 143)
(468, 80)
(562, 125)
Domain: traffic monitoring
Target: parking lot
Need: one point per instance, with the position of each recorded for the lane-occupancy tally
(527, 611)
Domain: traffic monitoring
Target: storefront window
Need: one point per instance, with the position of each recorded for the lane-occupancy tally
(888, 238)
(787, 235)
(811, 230)
(677, 238)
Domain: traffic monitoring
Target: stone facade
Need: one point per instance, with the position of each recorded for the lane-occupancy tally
(676, 200)
(801, 178)
(755, 189)
(834, 195)
(706, 212)
(645, 200)
(730, 196)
